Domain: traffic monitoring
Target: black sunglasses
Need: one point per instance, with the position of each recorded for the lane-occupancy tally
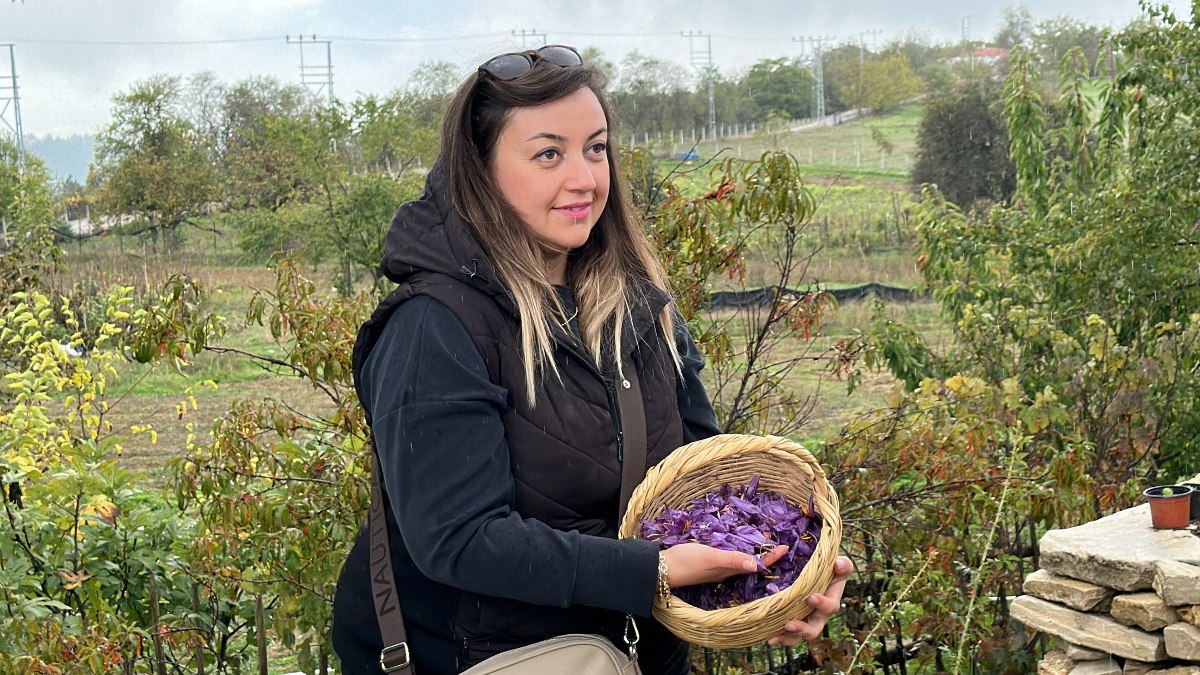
(511, 66)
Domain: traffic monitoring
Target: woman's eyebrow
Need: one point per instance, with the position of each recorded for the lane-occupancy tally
(563, 139)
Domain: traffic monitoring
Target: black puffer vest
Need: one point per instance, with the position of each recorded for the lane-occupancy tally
(565, 453)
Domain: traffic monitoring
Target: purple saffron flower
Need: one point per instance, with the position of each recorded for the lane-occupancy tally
(742, 519)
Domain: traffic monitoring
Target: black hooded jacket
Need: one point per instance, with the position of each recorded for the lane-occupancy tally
(502, 517)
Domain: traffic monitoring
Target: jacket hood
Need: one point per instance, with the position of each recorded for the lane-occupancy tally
(428, 235)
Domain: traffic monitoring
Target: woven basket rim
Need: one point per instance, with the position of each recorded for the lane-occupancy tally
(762, 618)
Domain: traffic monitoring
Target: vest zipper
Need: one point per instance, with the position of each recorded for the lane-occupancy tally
(610, 391)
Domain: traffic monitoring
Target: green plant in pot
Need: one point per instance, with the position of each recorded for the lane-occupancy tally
(1170, 506)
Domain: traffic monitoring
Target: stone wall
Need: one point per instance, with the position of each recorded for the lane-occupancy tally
(1118, 597)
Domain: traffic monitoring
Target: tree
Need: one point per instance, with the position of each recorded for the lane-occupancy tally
(780, 86)
(1053, 38)
(962, 145)
(203, 98)
(921, 54)
(843, 75)
(26, 208)
(390, 135)
(151, 163)
(346, 171)
(593, 56)
(434, 79)
(887, 82)
(652, 95)
(257, 172)
(1016, 29)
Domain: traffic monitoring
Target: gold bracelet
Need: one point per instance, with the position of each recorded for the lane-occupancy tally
(664, 588)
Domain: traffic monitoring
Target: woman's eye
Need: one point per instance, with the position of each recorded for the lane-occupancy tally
(549, 153)
(599, 148)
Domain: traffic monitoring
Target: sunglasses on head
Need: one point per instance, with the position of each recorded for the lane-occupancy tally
(511, 66)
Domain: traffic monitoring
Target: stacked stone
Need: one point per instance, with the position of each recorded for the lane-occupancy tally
(1118, 596)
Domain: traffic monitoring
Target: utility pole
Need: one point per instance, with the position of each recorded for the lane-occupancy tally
(533, 36)
(316, 77)
(11, 100)
(966, 39)
(818, 69)
(862, 44)
(701, 59)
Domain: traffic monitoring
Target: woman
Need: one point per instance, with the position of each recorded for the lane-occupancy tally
(489, 379)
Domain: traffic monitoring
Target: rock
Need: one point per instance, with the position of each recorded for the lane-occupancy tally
(1055, 662)
(1117, 551)
(1077, 653)
(1073, 593)
(1190, 614)
(1105, 667)
(1135, 667)
(1178, 583)
(1176, 670)
(1094, 631)
(1145, 610)
(1183, 641)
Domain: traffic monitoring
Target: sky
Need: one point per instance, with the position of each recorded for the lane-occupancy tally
(72, 56)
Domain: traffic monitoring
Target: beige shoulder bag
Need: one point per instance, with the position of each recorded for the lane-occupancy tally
(575, 654)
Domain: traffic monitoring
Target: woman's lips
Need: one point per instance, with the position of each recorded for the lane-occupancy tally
(578, 210)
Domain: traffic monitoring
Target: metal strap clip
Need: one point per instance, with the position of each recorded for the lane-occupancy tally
(387, 652)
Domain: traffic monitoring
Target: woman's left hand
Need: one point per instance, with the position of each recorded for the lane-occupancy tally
(824, 606)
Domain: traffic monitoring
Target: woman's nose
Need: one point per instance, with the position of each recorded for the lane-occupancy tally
(579, 175)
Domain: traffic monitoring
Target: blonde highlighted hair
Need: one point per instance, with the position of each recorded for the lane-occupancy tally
(606, 274)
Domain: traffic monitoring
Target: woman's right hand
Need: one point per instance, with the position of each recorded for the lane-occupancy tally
(691, 564)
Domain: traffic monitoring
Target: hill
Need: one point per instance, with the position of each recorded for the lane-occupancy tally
(65, 157)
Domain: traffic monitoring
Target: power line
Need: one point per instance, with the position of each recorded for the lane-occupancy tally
(359, 38)
(442, 38)
(273, 38)
(135, 43)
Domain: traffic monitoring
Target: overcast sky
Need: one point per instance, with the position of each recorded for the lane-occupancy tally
(72, 56)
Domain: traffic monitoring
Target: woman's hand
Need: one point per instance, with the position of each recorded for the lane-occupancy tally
(824, 606)
(690, 564)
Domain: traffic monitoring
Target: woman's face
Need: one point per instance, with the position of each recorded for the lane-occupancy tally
(551, 166)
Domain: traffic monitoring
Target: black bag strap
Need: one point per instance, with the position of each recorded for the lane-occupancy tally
(395, 655)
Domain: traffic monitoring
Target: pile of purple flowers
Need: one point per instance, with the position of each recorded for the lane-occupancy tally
(745, 519)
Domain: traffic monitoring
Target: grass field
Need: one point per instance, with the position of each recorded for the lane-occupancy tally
(835, 149)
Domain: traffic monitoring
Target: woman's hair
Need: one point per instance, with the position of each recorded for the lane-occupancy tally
(606, 274)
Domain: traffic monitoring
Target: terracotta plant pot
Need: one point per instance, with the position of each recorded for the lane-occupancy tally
(1170, 506)
(1195, 500)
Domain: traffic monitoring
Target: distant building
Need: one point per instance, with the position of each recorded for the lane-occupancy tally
(986, 56)
(992, 55)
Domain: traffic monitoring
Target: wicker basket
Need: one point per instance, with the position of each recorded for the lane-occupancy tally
(701, 467)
